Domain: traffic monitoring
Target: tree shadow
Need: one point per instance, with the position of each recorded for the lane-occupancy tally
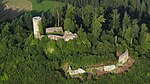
(7, 14)
(10, 14)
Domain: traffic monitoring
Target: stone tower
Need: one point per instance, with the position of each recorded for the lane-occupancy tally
(36, 22)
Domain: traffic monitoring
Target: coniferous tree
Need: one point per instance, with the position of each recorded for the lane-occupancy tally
(126, 22)
(115, 23)
(96, 26)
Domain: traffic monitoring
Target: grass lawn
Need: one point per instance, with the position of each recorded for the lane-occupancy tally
(45, 5)
(13, 8)
(19, 4)
(16, 7)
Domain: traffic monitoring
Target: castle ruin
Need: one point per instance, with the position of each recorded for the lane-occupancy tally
(36, 22)
(51, 32)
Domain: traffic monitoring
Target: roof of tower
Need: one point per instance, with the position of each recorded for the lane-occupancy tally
(37, 18)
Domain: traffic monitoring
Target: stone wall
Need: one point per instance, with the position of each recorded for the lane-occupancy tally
(69, 36)
(125, 61)
(123, 58)
(55, 37)
(54, 29)
(36, 21)
(75, 72)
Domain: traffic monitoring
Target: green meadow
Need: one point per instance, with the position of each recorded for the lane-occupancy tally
(45, 5)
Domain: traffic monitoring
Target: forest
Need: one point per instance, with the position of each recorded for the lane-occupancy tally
(104, 28)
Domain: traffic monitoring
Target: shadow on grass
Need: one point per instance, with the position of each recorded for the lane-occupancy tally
(8, 14)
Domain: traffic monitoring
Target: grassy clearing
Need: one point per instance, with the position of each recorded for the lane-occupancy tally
(16, 7)
(19, 4)
(13, 8)
(45, 5)
(80, 61)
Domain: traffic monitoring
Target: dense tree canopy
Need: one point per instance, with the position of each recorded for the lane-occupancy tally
(104, 27)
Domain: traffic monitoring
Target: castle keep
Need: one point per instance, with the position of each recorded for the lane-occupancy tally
(36, 22)
(51, 32)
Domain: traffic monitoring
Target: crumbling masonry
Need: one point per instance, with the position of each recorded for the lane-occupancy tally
(66, 35)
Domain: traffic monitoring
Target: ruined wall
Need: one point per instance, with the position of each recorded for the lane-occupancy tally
(51, 32)
(69, 36)
(55, 37)
(123, 58)
(36, 21)
(54, 29)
